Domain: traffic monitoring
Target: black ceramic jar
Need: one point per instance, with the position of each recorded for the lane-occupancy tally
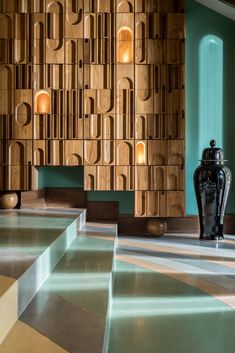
(212, 180)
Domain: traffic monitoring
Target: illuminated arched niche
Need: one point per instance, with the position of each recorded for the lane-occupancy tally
(125, 45)
(140, 152)
(42, 103)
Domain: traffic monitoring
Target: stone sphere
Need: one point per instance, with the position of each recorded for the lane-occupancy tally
(156, 227)
(8, 200)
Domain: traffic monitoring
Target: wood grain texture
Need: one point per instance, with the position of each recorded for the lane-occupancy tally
(98, 84)
(102, 211)
(59, 197)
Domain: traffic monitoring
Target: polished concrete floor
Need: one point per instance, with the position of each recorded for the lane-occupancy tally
(68, 312)
(172, 294)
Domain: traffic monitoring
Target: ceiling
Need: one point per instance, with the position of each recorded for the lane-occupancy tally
(224, 7)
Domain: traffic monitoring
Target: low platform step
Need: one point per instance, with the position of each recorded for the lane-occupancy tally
(71, 308)
(32, 241)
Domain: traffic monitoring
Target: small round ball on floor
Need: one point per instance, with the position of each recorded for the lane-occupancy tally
(8, 200)
(156, 227)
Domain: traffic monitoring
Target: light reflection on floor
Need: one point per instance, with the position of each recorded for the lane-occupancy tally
(158, 302)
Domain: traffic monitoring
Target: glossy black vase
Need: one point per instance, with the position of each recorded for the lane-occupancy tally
(212, 180)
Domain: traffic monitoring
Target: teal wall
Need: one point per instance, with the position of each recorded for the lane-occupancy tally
(61, 177)
(200, 22)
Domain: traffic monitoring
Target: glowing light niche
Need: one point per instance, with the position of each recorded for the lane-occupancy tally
(125, 45)
(140, 153)
(42, 103)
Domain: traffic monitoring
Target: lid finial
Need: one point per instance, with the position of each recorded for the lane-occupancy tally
(213, 143)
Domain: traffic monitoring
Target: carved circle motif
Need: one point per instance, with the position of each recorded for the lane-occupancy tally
(22, 120)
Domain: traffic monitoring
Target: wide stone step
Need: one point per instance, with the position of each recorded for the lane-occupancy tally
(31, 244)
(71, 309)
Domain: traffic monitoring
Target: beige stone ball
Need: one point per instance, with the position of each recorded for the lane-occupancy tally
(156, 227)
(8, 200)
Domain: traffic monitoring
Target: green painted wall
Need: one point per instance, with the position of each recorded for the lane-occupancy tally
(61, 177)
(200, 22)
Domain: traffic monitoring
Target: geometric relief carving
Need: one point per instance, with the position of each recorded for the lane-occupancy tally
(125, 6)
(175, 26)
(157, 152)
(144, 103)
(99, 178)
(6, 25)
(99, 84)
(93, 127)
(142, 178)
(54, 154)
(105, 178)
(39, 152)
(20, 126)
(125, 153)
(6, 105)
(124, 178)
(159, 126)
(19, 152)
(6, 77)
(159, 203)
(108, 153)
(90, 178)
(108, 132)
(105, 101)
(175, 178)
(147, 204)
(175, 152)
(124, 127)
(92, 152)
(175, 204)
(73, 152)
(158, 178)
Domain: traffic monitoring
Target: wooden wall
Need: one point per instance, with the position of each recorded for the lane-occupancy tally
(100, 84)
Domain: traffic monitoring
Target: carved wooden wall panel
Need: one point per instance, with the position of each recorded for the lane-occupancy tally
(98, 84)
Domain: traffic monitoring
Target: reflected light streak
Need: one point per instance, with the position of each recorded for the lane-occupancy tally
(137, 307)
(78, 282)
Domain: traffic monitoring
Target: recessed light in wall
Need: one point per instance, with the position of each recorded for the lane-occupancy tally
(42, 102)
(125, 45)
(140, 153)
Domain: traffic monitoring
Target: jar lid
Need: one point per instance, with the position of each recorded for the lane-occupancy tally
(213, 154)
